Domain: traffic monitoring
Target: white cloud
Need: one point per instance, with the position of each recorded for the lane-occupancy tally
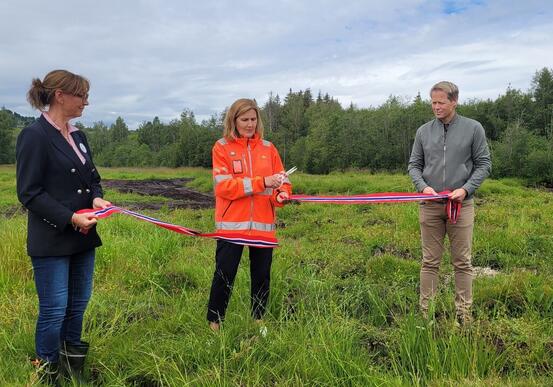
(156, 58)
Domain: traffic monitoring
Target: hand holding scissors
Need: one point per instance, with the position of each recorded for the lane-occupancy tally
(284, 175)
(276, 180)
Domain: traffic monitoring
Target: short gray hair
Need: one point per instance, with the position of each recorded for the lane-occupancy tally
(447, 87)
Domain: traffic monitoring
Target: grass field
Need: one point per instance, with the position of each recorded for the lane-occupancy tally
(344, 294)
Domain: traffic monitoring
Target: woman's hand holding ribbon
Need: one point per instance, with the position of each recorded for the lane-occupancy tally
(84, 221)
(283, 197)
(100, 203)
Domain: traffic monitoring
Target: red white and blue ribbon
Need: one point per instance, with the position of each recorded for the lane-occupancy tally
(453, 208)
(239, 239)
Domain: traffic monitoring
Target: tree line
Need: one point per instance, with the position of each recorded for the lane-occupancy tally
(318, 135)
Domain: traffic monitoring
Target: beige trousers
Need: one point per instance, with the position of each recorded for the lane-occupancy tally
(434, 226)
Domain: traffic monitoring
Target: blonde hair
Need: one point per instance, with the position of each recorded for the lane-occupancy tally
(449, 88)
(41, 93)
(238, 108)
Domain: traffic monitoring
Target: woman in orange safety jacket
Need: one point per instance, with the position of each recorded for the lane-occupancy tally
(249, 182)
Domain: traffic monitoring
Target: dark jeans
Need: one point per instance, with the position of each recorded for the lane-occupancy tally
(227, 259)
(64, 286)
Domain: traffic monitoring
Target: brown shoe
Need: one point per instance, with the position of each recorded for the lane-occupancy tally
(463, 319)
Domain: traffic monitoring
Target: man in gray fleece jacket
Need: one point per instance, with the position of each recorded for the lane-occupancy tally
(449, 153)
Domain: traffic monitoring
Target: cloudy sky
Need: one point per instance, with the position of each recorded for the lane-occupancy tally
(159, 57)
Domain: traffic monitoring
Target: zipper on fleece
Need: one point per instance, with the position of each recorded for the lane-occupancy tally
(445, 148)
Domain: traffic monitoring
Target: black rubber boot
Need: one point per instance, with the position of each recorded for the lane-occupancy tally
(72, 358)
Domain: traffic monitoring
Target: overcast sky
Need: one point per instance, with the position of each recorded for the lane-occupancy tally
(157, 58)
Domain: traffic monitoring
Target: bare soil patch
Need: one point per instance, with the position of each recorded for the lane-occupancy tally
(175, 189)
(485, 271)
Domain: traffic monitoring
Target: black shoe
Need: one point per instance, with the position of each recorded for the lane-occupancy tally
(72, 358)
(48, 372)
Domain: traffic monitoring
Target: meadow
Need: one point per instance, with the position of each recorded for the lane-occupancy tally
(344, 294)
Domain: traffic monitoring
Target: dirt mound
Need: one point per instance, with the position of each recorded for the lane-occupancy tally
(170, 188)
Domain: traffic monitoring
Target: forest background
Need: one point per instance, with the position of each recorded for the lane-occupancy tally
(319, 135)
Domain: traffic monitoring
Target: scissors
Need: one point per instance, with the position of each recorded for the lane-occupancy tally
(283, 175)
(291, 170)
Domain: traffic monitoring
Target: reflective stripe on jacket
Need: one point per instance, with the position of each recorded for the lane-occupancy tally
(243, 204)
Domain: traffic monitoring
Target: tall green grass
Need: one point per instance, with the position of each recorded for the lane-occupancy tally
(344, 293)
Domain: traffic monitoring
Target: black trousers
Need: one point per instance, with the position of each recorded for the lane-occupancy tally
(227, 258)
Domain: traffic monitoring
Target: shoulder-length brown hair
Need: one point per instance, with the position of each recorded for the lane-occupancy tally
(238, 108)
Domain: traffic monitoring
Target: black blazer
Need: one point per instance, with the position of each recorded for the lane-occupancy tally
(53, 183)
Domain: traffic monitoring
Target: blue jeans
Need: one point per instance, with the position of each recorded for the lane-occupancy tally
(64, 286)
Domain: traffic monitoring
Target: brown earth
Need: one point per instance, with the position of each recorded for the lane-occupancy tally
(174, 189)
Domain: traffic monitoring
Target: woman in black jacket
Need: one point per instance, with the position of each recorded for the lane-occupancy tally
(55, 178)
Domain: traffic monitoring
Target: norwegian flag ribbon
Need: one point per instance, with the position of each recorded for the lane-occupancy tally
(239, 239)
(452, 209)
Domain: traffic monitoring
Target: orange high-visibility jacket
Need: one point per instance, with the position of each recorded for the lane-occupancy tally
(243, 205)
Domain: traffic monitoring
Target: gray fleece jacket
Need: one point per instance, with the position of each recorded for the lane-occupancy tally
(447, 160)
